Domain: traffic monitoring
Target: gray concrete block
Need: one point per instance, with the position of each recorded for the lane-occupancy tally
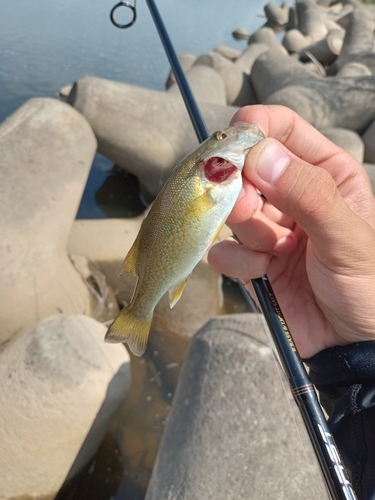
(273, 71)
(327, 49)
(354, 69)
(206, 84)
(359, 40)
(369, 140)
(144, 131)
(238, 88)
(241, 34)
(186, 61)
(347, 140)
(370, 169)
(267, 36)
(248, 57)
(347, 102)
(228, 52)
(47, 150)
(311, 19)
(58, 383)
(278, 16)
(295, 41)
(231, 434)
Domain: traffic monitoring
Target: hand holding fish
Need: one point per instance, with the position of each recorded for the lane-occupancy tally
(314, 235)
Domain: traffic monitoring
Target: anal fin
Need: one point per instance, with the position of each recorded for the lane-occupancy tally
(130, 261)
(176, 292)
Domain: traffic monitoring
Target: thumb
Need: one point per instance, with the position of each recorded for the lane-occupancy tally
(306, 193)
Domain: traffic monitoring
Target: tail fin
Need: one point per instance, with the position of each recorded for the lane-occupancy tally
(129, 328)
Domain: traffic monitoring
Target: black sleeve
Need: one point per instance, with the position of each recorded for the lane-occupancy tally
(345, 380)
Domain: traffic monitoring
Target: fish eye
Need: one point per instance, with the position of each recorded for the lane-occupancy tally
(220, 135)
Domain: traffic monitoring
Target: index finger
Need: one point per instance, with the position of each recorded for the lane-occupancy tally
(283, 124)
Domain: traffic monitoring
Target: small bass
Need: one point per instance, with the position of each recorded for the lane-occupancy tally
(183, 222)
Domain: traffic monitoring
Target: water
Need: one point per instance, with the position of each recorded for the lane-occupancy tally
(46, 45)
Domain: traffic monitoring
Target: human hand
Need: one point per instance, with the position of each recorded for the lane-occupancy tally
(314, 237)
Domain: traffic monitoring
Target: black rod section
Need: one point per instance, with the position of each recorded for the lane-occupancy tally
(304, 394)
(187, 95)
(301, 387)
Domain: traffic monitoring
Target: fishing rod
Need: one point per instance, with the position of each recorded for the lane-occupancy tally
(301, 387)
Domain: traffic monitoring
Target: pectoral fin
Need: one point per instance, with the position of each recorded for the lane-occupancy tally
(176, 292)
(202, 204)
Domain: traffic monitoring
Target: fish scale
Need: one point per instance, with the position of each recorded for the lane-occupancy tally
(182, 223)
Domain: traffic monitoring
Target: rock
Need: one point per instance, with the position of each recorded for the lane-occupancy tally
(228, 52)
(359, 41)
(241, 34)
(277, 15)
(327, 49)
(293, 19)
(56, 383)
(311, 20)
(347, 140)
(230, 426)
(342, 16)
(315, 67)
(370, 169)
(331, 102)
(186, 61)
(144, 131)
(106, 242)
(47, 151)
(238, 88)
(268, 37)
(249, 56)
(103, 239)
(295, 41)
(273, 71)
(353, 69)
(64, 92)
(106, 305)
(205, 83)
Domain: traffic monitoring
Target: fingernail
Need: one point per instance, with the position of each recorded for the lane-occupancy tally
(272, 162)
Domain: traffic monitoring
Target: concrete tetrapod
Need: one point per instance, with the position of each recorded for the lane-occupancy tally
(145, 131)
(237, 83)
(206, 84)
(273, 71)
(230, 434)
(359, 41)
(105, 242)
(47, 150)
(311, 20)
(345, 102)
(56, 383)
(347, 140)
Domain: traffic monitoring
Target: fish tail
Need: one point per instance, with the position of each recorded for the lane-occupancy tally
(130, 329)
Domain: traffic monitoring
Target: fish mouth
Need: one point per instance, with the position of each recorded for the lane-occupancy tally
(218, 169)
(230, 151)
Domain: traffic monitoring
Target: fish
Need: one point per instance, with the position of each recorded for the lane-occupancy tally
(183, 222)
